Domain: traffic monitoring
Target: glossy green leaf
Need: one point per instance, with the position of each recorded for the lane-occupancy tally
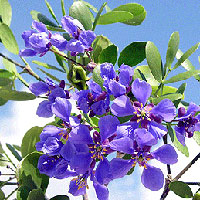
(51, 11)
(180, 90)
(80, 11)
(181, 189)
(109, 55)
(188, 53)
(60, 197)
(172, 48)
(23, 192)
(5, 73)
(137, 10)
(196, 137)
(172, 97)
(49, 75)
(96, 76)
(42, 18)
(31, 137)
(29, 167)
(16, 95)
(145, 70)
(133, 54)
(101, 42)
(182, 76)
(2, 195)
(8, 39)
(14, 152)
(36, 194)
(154, 60)
(98, 15)
(5, 81)
(47, 66)
(63, 7)
(5, 12)
(114, 17)
(177, 144)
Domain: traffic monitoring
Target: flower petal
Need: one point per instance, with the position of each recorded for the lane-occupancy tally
(108, 126)
(165, 109)
(27, 52)
(38, 88)
(101, 191)
(152, 178)
(39, 26)
(157, 130)
(44, 109)
(141, 90)
(166, 154)
(180, 134)
(122, 107)
(116, 88)
(62, 108)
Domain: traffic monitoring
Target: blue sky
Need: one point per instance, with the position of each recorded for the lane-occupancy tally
(163, 18)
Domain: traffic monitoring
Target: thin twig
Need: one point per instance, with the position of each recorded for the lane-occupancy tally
(193, 183)
(11, 193)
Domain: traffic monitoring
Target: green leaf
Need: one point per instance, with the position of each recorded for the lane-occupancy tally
(180, 90)
(172, 49)
(60, 197)
(124, 119)
(181, 189)
(17, 147)
(80, 11)
(36, 194)
(114, 17)
(182, 76)
(14, 152)
(51, 11)
(172, 97)
(2, 101)
(8, 39)
(50, 75)
(109, 55)
(16, 95)
(177, 144)
(2, 195)
(145, 70)
(31, 137)
(42, 18)
(90, 6)
(23, 192)
(57, 29)
(5, 12)
(1, 149)
(196, 196)
(166, 90)
(107, 8)
(29, 167)
(47, 66)
(9, 66)
(61, 62)
(131, 171)
(96, 76)
(101, 42)
(5, 81)
(133, 54)
(5, 73)
(137, 10)
(196, 137)
(154, 60)
(98, 15)
(63, 7)
(188, 53)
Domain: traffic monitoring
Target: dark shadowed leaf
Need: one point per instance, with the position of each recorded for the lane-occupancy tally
(181, 189)
(14, 152)
(2, 195)
(23, 192)
(36, 194)
(60, 197)
(133, 54)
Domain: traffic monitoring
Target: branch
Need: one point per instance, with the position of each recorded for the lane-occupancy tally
(168, 181)
(26, 68)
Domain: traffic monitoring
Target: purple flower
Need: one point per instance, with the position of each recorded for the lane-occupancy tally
(81, 40)
(93, 100)
(146, 116)
(188, 123)
(152, 177)
(40, 40)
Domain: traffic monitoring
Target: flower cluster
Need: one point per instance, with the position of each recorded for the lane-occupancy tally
(79, 146)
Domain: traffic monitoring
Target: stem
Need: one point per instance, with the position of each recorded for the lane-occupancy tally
(10, 160)
(85, 197)
(168, 166)
(26, 68)
(65, 56)
(11, 194)
(193, 183)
